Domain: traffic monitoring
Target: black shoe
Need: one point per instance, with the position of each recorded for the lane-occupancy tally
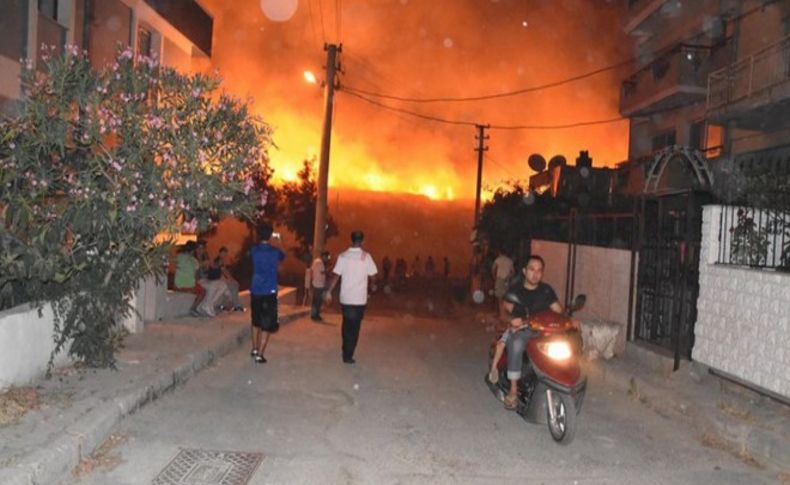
(317, 319)
(349, 361)
(253, 352)
(259, 359)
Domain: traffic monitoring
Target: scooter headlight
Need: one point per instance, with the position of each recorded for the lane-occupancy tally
(557, 350)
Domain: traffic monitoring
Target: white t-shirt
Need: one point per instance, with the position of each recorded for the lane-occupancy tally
(503, 267)
(354, 266)
(318, 272)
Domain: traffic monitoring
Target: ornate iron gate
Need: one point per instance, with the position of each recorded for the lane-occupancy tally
(668, 277)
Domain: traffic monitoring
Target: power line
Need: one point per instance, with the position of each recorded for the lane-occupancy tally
(321, 11)
(542, 87)
(504, 94)
(470, 123)
(405, 111)
(312, 21)
(561, 126)
(339, 19)
(503, 167)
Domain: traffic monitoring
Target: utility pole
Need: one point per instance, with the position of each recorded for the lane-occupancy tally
(319, 229)
(481, 139)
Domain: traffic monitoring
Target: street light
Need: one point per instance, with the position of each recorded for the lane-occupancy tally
(310, 77)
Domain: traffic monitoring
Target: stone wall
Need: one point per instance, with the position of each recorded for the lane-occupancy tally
(603, 274)
(25, 344)
(743, 317)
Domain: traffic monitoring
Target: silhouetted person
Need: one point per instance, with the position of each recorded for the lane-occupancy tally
(386, 266)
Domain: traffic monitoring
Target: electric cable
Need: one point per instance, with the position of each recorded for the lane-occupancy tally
(471, 123)
(550, 85)
(312, 20)
(321, 11)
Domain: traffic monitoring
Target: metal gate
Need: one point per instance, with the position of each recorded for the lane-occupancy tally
(668, 276)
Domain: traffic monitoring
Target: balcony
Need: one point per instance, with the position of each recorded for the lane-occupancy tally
(674, 80)
(753, 93)
(189, 18)
(639, 11)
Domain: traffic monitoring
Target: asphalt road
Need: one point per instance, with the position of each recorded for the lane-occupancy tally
(414, 409)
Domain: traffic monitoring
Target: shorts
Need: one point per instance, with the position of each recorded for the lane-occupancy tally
(264, 312)
(500, 287)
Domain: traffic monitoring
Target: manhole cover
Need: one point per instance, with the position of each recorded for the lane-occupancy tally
(209, 467)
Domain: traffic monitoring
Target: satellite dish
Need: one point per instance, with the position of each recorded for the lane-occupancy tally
(557, 161)
(536, 162)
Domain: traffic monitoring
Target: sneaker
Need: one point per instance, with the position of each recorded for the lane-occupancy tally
(253, 352)
(259, 359)
(239, 308)
(349, 361)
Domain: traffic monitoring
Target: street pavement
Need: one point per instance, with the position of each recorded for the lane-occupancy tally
(413, 409)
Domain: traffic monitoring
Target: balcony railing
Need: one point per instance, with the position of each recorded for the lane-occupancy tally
(750, 76)
(676, 78)
(758, 238)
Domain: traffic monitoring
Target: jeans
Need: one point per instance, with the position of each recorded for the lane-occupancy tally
(352, 321)
(318, 299)
(515, 352)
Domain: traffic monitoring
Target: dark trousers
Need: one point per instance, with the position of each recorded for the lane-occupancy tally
(318, 299)
(352, 321)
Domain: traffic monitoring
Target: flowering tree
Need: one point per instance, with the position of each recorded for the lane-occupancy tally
(95, 165)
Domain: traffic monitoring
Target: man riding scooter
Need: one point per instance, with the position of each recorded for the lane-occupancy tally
(534, 297)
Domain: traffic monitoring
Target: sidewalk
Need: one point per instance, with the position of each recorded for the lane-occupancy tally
(76, 410)
(725, 415)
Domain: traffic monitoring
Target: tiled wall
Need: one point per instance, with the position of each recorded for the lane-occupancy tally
(743, 321)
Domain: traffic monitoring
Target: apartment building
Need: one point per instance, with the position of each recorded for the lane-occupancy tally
(750, 96)
(178, 32)
(678, 43)
(712, 75)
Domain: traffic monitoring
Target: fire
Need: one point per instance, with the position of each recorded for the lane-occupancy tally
(351, 165)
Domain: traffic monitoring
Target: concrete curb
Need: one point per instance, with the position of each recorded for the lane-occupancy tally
(56, 459)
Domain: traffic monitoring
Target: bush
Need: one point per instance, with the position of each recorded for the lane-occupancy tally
(95, 165)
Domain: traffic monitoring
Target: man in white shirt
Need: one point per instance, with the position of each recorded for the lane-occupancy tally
(318, 283)
(355, 268)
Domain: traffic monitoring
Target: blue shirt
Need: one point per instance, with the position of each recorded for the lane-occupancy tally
(265, 261)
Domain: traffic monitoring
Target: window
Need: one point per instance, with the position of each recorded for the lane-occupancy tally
(48, 8)
(714, 139)
(697, 135)
(144, 42)
(663, 140)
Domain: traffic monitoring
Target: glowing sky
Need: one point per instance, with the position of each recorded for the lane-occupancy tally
(426, 48)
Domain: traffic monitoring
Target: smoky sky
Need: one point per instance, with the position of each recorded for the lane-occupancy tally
(428, 48)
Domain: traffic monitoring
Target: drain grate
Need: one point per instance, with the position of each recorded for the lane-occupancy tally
(209, 467)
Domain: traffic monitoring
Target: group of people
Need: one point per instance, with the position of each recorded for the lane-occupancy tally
(354, 271)
(214, 286)
(418, 269)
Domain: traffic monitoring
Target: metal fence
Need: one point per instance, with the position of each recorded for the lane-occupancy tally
(759, 238)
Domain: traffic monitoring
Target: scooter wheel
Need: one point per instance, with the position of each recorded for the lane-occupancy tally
(561, 417)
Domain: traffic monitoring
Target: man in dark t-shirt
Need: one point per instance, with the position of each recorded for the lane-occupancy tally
(528, 297)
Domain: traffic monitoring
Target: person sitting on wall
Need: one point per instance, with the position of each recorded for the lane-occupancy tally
(218, 271)
(185, 279)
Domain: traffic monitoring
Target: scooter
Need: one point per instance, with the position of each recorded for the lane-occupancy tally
(551, 389)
